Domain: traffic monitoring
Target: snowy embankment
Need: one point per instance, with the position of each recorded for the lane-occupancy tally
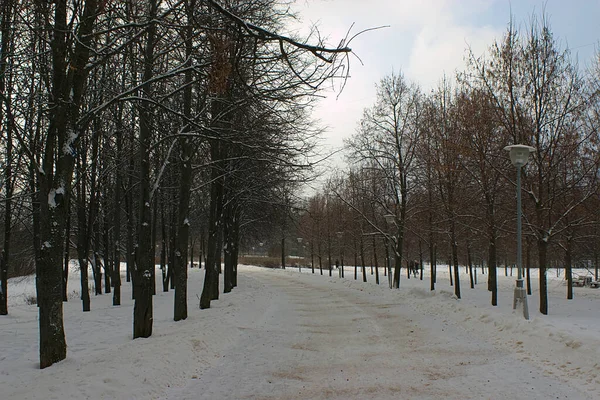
(553, 355)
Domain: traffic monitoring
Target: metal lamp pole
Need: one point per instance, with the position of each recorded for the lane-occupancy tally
(519, 155)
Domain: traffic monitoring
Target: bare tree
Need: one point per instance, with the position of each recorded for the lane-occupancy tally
(387, 140)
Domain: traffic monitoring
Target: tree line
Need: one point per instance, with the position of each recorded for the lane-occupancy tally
(428, 179)
(132, 129)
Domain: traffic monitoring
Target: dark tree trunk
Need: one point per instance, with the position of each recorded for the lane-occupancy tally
(117, 224)
(236, 247)
(172, 249)
(376, 261)
(191, 252)
(185, 184)
(329, 255)
(66, 256)
(210, 290)
(355, 251)
(83, 234)
(542, 254)
(55, 175)
(492, 273)
(398, 255)
(5, 28)
(421, 265)
(163, 251)
(228, 249)
(106, 252)
(528, 263)
(312, 257)
(212, 271)
(596, 266)
(142, 281)
(202, 254)
(387, 257)
(450, 267)
(492, 254)
(153, 246)
(97, 264)
(455, 262)
(320, 262)
(282, 249)
(130, 257)
(568, 269)
(3, 285)
(470, 264)
(362, 259)
(183, 223)
(432, 264)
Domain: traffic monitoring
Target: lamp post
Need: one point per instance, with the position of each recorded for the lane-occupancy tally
(390, 220)
(519, 155)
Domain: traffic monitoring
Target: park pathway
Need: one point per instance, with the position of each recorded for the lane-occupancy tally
(324, 339)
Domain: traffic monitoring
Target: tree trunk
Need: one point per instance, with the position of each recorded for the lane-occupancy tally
(236, 247)
(528, 263)
(542, 253)
(362, 259)
(172, 249)
(191, 252)
(432, 265)
(375, 259)
(129, 249)
(163, 251)
(97, 264)
(470, 264)
(117, 224)
(282, 249)
(5, 28)
(596, 260)
(312, 257)
(329, 254)
(455, 262)
(66, 256)
(142, 281)
(228, 250)
(106, 248)
(210, 290)
(153, 246)
(492, 274)
(398, 255)
(185, 186)
(83, 232)
(568, 269)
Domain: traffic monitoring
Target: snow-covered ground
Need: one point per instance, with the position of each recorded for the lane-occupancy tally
(282, 334)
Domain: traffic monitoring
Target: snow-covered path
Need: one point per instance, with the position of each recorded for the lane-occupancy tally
(282, 334)
(320, 340)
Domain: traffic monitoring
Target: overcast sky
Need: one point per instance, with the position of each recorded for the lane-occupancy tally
(428, 38)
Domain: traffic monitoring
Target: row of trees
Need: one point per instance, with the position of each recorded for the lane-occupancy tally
(435, 162)
(124, 125)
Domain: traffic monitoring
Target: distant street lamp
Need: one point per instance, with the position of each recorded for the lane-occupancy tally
(519, 155)
(390, 219)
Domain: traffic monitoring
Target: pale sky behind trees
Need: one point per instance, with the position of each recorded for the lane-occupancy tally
(429, 38)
